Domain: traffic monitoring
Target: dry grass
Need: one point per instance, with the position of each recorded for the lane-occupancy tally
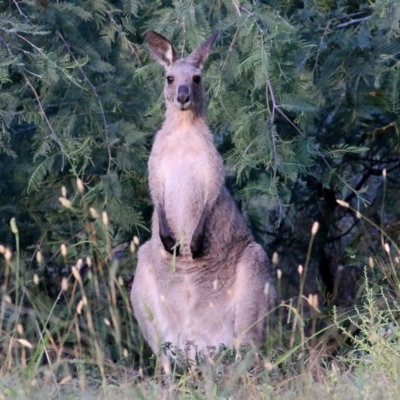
(67, 331)
(360, 383)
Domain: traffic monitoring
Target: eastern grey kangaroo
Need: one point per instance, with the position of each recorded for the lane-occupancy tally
(201, 278)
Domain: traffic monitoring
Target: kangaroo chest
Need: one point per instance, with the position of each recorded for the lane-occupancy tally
(185, 173)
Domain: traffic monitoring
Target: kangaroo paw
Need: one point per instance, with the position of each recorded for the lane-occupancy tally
(199, 246)
(169, 244)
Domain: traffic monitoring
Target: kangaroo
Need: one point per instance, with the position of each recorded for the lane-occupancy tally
(201, 278)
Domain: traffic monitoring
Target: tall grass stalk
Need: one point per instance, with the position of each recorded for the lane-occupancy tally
(82, 336)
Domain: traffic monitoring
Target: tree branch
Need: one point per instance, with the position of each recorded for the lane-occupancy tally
(353, 21)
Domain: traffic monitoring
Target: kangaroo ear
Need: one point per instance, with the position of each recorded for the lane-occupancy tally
(199, 56)
(161, 49)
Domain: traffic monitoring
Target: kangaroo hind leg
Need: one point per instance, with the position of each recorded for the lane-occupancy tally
(252, 301)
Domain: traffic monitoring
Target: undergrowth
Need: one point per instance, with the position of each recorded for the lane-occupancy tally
(67, 330)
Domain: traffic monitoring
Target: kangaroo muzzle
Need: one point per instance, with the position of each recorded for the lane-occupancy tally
(183, 96)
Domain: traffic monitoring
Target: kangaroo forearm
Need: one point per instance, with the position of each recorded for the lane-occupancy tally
(167, 237)
(200, 245)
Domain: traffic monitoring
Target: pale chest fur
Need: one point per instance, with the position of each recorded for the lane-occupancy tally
(182, 175)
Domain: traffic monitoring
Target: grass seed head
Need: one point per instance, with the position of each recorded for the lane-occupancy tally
(94, 213)
(64, 202)
(20, 329)
(104, 217)
(343, 203)
(79, 307)
(65, 380)
(7, 254)
(80, 186)
(64, 284)
(64, 250)
(88, 261)
(315, 302)
(13, 225)
(76, 274)
(371, 262)
(315, 228)
(79, 263)
(39, 257)
(25, 343)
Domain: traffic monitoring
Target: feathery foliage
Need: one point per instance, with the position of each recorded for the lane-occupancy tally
(304, 104)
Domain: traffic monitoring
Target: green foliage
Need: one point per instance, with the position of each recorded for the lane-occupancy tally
(299, 95)
(69, 109)
(304, 104)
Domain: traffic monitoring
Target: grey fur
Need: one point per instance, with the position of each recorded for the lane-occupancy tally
(212, 291)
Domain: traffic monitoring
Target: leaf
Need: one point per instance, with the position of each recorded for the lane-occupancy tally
(340, 150)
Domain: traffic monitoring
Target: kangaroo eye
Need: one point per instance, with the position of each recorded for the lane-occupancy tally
(197, 79)
(170, 79)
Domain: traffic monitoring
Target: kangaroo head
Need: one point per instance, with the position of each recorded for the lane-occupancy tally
(183, 86)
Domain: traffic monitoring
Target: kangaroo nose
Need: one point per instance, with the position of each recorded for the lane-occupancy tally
(183, 94)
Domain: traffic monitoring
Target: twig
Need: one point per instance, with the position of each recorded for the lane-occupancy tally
(320, 46)
(39, 103)
(353, 21)
(30, 43)
(274, 107)
(242, 8)
(230, 48)
(20, 12)
(237, 7)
